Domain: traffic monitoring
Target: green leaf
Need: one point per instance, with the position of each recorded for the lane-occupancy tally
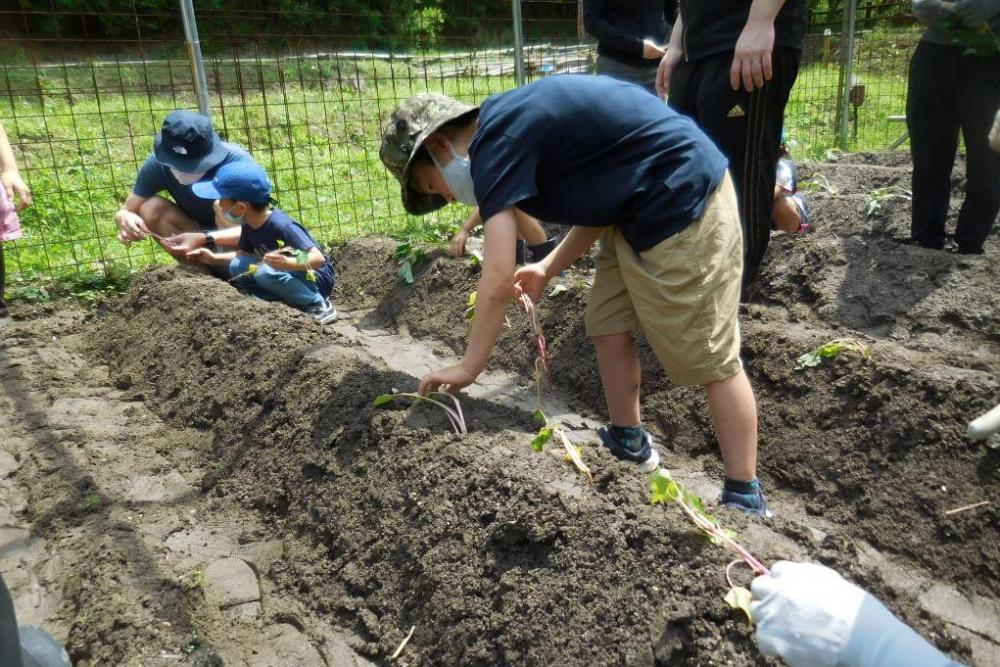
(301, 257)
(808, 360)
(660, 483)
(406, 272)
(544, 435)
(402, 250)
(739, 598)
(540, 416)
(830, 350)
(281, 244)
(383, 399)
(475, 258)
(311, 276)
(557, 290)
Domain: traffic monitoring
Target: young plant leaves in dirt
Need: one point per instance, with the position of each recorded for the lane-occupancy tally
(408, 257)
(574, 454)
(664, 489)
(470, 306)
(454, 414)
(832, 350)
(739, 597)
(879, 196)
(558, 290)
(543, 436)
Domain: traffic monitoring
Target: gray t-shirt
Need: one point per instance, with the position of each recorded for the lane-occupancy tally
(154, 178)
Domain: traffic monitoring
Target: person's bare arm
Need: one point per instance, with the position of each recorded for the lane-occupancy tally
(131, 227)
(671, 57)
(11, 175)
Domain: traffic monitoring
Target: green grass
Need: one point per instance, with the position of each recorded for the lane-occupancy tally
(82, 131)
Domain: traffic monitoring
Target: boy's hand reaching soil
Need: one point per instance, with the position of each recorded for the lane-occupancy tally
(451, 379)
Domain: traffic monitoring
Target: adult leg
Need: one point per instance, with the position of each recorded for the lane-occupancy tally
(747, 129)
(932, 120)
(165, 218)
(290, 287)
(978, 102)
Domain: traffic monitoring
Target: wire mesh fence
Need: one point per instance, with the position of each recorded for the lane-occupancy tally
(84, 87)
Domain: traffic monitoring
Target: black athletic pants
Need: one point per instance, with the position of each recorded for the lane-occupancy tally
(747, 129)
(949, 92)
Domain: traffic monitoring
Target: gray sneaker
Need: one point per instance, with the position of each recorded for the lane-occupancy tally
(323, 313)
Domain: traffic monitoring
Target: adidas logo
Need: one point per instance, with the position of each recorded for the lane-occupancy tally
(736, 112)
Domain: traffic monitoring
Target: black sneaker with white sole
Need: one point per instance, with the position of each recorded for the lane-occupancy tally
(640, 451)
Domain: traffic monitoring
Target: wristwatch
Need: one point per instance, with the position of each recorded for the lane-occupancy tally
(209, 239)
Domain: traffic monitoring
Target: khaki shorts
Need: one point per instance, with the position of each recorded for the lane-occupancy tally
(683, 294)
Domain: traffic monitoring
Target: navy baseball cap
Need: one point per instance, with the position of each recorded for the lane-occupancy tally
(188, 143)
(240, 181)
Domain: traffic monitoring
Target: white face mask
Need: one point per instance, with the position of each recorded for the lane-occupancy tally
(458, 176)
(187, 179)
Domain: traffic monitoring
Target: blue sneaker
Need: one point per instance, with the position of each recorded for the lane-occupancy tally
(745, 496)
(640, 451)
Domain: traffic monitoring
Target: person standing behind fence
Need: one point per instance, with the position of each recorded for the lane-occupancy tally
(13, 184)
(954, 84)
(730, 66)
(185, 152)
(630, 37)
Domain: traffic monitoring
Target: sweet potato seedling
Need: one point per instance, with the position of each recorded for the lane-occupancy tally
(832, 350)
(664, 489)
(549, 428)
(454, 414)
(408, 257)
(878, 196)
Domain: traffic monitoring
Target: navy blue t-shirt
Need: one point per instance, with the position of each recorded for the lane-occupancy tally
(155, 177)
(593, 151)
(279, 225)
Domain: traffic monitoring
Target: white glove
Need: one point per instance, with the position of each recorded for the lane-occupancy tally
(929, 12)
(975, 13)
(810, 616)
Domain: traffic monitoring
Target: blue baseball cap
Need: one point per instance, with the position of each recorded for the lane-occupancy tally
(188, 143)
(241, 181)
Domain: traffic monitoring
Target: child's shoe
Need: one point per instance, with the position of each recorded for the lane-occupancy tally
(537, 253)
(632, 444)
(324, 313)
(745, 496)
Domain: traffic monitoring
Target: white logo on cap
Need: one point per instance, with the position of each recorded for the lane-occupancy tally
(180, 150)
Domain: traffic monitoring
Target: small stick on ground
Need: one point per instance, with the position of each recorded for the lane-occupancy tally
(403, 645)
(965, 508)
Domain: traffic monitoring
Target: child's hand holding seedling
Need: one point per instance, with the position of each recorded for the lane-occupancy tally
(530, 280)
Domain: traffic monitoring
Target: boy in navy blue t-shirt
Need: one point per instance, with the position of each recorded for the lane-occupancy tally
(614, 163)
(276, 258)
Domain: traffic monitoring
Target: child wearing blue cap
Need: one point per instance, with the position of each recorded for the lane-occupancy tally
(276, 258)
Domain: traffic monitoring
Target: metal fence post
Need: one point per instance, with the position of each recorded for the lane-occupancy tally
(846, 74)
(518, 43)
(194, 54)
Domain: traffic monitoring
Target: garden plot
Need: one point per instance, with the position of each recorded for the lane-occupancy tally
(362, 522)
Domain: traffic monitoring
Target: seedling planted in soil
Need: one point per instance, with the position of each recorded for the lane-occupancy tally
(664, 489)
(832, 350)
(878, 196)
(408, 257)
(455, 415)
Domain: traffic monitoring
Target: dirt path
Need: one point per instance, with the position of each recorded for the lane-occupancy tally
(106, 539)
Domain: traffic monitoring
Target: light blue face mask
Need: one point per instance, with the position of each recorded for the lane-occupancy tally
(232, 219)
(458, 176)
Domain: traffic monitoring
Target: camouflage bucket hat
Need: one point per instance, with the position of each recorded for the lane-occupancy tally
(404, 132)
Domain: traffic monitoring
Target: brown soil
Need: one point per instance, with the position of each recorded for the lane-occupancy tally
(360, 523)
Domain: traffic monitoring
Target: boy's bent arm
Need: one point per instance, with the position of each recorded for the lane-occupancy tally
(496, 287)
(571, 248)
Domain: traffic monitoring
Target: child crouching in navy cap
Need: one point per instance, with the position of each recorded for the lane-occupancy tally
(276, 258)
